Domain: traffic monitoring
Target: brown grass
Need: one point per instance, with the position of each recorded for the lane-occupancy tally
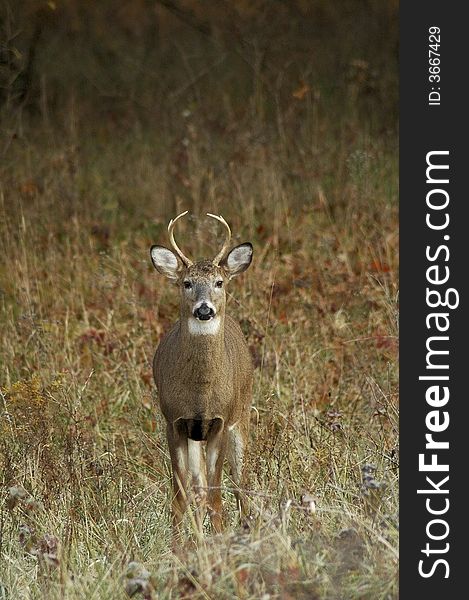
(307, 173)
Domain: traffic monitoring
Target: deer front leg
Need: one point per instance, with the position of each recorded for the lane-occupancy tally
(197, 472)
(216, 450)
(177, 444)
(237, 444)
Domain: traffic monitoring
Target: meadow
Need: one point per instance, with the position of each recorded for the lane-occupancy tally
(286, 125)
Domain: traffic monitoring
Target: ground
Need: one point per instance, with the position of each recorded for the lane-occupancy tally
(297, 150)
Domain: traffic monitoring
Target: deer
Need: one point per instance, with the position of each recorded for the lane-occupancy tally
(203, 372)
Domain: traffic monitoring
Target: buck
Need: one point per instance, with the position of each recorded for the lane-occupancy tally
(203, 371)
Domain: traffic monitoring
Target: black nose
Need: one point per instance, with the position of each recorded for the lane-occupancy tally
(204, 312)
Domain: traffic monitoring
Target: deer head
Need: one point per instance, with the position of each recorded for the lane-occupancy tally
(202, 284)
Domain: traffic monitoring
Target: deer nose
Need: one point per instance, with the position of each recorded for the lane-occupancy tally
(204, 312)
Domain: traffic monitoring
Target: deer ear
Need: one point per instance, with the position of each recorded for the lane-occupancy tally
(165, 262)
(238, 260)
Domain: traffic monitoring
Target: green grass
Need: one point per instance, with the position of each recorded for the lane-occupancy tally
(89, 180)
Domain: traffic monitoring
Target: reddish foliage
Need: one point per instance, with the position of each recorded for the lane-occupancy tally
(379, 267)
(98, 337)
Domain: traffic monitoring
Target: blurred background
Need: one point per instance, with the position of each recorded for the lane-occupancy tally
(191, 99)
(115, 116)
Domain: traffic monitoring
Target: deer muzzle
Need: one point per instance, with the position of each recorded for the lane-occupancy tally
(204, 312)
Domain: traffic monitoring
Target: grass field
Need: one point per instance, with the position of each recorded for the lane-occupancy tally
(295, 144)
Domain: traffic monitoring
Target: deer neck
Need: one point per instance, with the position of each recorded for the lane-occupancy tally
(203, 344)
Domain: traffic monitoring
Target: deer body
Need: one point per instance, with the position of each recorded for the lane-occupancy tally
(203, 372)
(203, 377)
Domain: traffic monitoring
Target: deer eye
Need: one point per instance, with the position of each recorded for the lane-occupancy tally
(219, 283)
(187, 285)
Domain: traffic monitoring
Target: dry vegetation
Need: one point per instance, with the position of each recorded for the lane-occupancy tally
(286, 125)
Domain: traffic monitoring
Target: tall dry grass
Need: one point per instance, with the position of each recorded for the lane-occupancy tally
(298, 152)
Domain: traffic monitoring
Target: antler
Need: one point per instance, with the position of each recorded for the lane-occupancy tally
(226, 243)
(184, 259)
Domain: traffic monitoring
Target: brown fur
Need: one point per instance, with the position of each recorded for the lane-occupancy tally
(204, 387)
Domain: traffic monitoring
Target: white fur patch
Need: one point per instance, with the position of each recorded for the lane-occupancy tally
(196, 463)
(236, 454)
(181, 458)
(212, 456)
(239, 259)
(164, 261)
(210, 327)
(194, 451)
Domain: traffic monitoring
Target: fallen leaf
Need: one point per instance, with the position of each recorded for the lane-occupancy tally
(301, 92)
